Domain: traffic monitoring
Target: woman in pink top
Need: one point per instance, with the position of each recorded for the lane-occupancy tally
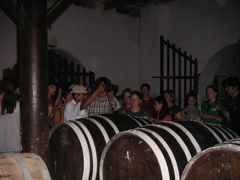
(161, 108)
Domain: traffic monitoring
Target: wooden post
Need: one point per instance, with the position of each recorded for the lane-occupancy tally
(32, 56)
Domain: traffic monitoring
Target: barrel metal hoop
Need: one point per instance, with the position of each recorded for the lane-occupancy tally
(221, 132)
(177, 137)
(135, 120)
(42, 166)
(93, 148)
(223, 129)
(168, 149)
(219, 146)
(111, 123)
(214, 134)
(23, 166)
(188, 133)
(159, 155)
(84, 145)
(101, 128)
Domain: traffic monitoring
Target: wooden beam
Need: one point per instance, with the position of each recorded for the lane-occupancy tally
(12, 11)
(32, 57)
(56, 10)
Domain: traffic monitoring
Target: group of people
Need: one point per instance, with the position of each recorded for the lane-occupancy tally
(77, 101)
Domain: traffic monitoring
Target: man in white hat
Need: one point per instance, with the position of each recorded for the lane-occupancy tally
(76, 108)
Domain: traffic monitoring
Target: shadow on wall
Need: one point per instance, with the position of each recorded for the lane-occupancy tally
(224, 63)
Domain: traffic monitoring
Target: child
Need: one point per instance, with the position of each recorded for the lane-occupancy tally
(192, 111)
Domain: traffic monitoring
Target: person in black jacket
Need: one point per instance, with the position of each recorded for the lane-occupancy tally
(231, 106)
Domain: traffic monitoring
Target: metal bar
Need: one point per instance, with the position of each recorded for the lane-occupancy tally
(84, 77)
(168, 64)
(179, 80)
(161, 63)
(78, 72)
(191, 88)
(196, 76)
(174, 66)
(185, 74)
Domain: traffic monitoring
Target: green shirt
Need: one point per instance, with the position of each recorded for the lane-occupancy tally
(210, 109)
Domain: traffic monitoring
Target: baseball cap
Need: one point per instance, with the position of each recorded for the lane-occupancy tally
(80, 90)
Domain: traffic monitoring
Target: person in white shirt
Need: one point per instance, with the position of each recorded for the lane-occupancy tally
(76, 108)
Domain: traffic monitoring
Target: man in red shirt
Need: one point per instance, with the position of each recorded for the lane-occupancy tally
(147, 102)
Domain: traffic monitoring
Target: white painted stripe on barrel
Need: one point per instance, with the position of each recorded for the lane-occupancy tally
(101, 128)
(93, 149)
(135, 120)
(223, 129)
(144, 120)
(220, 131)
(177, 137)
(168, 149)
(214, 134)
(84, 145)
(188, 133)
(22, 164)
(42, 166)
(111, 123)
(159, 155)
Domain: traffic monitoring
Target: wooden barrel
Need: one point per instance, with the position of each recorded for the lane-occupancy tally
(158, 151)
(22, 166)
(76, 146)
(219, 162)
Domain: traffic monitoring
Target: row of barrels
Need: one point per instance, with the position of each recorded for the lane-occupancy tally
(158, 151)
(76, 146)
(124, 147)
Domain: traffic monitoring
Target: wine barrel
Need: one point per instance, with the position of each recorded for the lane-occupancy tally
(219, 162)
(158, 151)
(76, 146)
(22, 166)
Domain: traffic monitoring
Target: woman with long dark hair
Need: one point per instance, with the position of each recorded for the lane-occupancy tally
(10, 117)
(161, 108)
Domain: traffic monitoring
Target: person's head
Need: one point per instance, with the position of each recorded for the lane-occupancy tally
(231, 86)
(145, 89)
(79, 93)
(191, 99)
(212, 92)
(52, 88)
(160, 103)
(136, 99)
(66, 96)
(113, 88)
(9, 87)
(9, 84)
(161, 107)
(170, 96)
(126, 93)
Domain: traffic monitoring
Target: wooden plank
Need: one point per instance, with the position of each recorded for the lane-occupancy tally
(12, 11)
(56, 10)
